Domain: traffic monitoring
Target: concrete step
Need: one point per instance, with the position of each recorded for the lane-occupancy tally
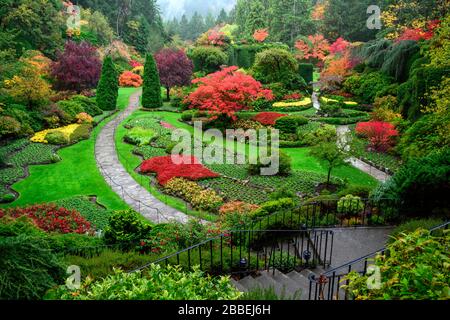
(249, 284)
(238, 285)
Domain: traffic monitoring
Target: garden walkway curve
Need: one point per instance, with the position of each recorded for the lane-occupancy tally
(342, 132)
(123, 183)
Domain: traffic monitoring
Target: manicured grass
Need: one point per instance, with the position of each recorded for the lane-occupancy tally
(75, 175)
(302, 160)
(131, 161)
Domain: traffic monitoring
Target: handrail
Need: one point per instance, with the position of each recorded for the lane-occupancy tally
(327, 285)
(375, 252)
(230, 233)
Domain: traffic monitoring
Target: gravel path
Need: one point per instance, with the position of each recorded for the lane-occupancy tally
(121, 182)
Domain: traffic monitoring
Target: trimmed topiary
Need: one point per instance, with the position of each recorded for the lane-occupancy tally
(108, 87)
(151, 96)
(290, 124)
(306, 71)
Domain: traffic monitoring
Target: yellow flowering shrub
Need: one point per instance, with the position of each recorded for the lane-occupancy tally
(305, 102)
(39, 137)
(348, 103)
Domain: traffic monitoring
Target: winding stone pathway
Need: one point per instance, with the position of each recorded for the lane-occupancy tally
(381, 176)
(121, 182)
(342, 132)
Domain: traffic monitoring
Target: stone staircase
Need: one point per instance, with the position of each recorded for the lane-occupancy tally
(349, 244)
(293, 285)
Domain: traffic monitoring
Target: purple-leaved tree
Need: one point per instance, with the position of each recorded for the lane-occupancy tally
(77, 68)
(175, 68)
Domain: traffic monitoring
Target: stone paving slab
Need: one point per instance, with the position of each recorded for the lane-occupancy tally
(122, 182)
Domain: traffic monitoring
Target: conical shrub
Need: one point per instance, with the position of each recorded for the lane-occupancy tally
(108, 86)
(151, 95)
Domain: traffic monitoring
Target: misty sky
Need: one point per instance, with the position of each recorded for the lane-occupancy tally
(176, 8)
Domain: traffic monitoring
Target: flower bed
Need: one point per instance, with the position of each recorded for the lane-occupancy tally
(169, 167)
(305, 103)
(268, 118)
(67, 131)
(51, 218)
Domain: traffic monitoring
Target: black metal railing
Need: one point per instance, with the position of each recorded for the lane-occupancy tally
(244, 252)
(328, 286)
(331, 214)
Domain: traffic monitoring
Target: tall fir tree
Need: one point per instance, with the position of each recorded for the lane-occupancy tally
(210, 21)
(184, 27)
(223, 17)
(108, 86)
(151, 95)
(290, 19)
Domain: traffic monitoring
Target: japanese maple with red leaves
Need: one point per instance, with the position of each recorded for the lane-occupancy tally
(268, 118)
(226, 92)
(381, 135)
(51, 218)
(177, 166)
(261, 35)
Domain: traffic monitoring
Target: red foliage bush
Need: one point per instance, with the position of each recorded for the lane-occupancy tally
(50, 218)
(268, 118)
(261, 35)
(293, 96)
(380, 134)
(177, 166)
(339, 46)
(418, 34)
(226, 91)
(130, 79)
(135, 64)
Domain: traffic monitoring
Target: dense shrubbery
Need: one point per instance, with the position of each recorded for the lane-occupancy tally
(367, 86)
(126, 228)
(413, 269)
(290, 124)
(284, 169)
(421, 185)
(208, 59)
(278, 66)
(27, 268)
(151, 94)
(157, 283)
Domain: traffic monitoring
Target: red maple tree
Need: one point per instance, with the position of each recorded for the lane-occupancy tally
(175, 68)
(226, 91)
(339, 46)
(177, 166)
(261, 35)
(380, 134)
(315, 47)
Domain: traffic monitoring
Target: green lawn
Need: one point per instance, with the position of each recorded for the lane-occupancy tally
(131, 162)
(301, 159)
(75, 175)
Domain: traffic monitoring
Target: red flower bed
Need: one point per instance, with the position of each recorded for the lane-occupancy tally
(50, 218)
(166, 125)
(380, 134)
(177, 166)
(268, 118)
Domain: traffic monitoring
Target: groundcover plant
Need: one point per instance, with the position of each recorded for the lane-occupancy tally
(243, 150)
